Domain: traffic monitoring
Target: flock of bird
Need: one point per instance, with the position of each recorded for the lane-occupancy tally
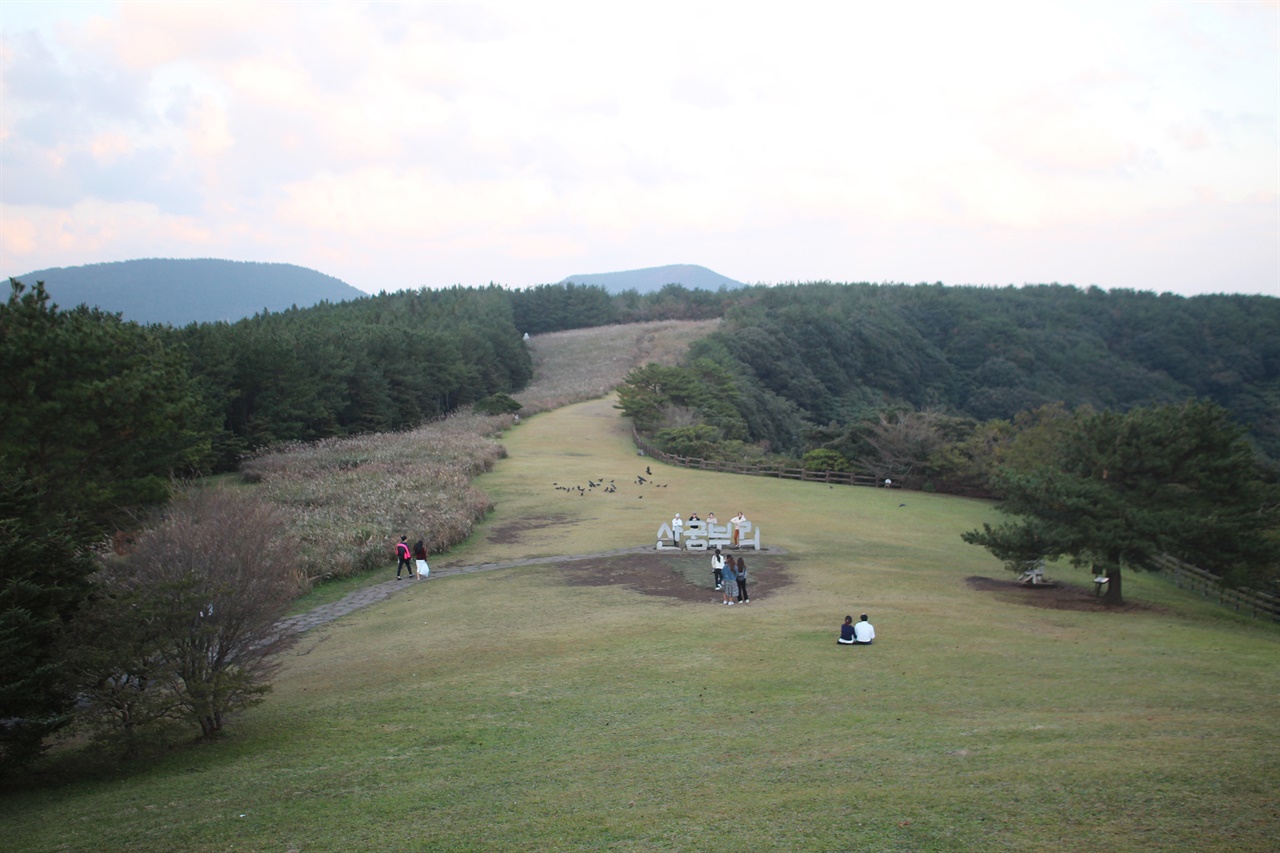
(610, 486)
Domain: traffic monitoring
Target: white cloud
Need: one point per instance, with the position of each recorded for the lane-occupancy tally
(401, 144)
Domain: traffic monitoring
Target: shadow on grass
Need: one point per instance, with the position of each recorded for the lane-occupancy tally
(1059, 596)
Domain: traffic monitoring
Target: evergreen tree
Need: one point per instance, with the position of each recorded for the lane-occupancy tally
(44, 570)
(96, 412)
(1124, 489)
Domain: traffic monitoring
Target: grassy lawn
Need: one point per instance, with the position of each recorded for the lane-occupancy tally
(510, 710)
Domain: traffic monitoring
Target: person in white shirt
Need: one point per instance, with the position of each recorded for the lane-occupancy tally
(737, 521)
(677, 527)
(863, 633)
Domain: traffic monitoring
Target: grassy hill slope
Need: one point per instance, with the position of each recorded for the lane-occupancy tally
(516, 710)
(580, 364)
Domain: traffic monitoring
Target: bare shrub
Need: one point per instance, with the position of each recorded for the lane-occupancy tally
(903, 446)
(184, 624)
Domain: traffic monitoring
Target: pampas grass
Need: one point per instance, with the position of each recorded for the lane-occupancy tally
(352, 498)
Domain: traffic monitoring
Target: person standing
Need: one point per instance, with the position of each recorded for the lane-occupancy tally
(717, 568)
(741, 572)
(420, 556)
(730, 582)
(677, 527)
(737, 521)
(402, 557)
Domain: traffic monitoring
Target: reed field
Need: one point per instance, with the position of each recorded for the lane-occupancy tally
(521, 709)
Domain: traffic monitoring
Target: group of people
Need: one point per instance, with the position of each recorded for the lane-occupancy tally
(729, 574)
(730, 577)
(736, 523)
(860, 634)
(419, 554)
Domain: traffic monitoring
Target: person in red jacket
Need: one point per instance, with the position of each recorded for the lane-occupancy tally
(402, 558)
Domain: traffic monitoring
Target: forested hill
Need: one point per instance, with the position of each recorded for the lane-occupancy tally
(182, 291)
(827, 354)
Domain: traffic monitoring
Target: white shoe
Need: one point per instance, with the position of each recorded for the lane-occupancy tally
(730, 603)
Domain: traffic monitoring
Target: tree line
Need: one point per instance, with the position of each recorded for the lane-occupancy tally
(1170, 406)
(98, 416)
(834, 367)
(381, 363)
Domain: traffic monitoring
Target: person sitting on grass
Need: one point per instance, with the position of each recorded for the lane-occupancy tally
(856, 635)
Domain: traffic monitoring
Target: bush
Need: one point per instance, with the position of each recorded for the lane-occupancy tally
(497, 404)
(183, 627)
(825, 460)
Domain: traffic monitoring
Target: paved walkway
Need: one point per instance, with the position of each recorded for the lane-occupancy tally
(373, 594)
(378, 592)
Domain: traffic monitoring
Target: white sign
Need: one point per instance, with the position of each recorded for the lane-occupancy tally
(701, 536)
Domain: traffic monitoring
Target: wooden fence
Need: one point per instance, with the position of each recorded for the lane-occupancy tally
(1259, 605)
(845, 478)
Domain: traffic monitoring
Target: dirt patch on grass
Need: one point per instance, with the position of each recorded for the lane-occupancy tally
(1059, 597)
(685, 578)
(510, 533)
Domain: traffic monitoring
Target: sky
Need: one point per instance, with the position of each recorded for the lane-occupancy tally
(404, 145)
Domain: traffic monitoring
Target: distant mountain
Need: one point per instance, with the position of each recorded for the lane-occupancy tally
(178, 292)
(691, 276)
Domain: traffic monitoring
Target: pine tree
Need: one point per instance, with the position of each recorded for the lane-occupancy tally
(1127, 488)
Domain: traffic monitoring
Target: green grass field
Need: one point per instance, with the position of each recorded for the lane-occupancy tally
(510, 710)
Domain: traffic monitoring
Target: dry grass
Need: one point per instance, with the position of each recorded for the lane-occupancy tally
(352, 498)
(582, 364)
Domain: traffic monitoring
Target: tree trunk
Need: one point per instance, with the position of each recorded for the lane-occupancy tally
(1114, 594)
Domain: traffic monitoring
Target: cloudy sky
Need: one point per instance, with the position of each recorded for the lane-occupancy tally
(393, 145)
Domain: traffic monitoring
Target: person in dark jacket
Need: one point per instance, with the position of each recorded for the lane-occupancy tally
(420, 557)
(402, 557)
